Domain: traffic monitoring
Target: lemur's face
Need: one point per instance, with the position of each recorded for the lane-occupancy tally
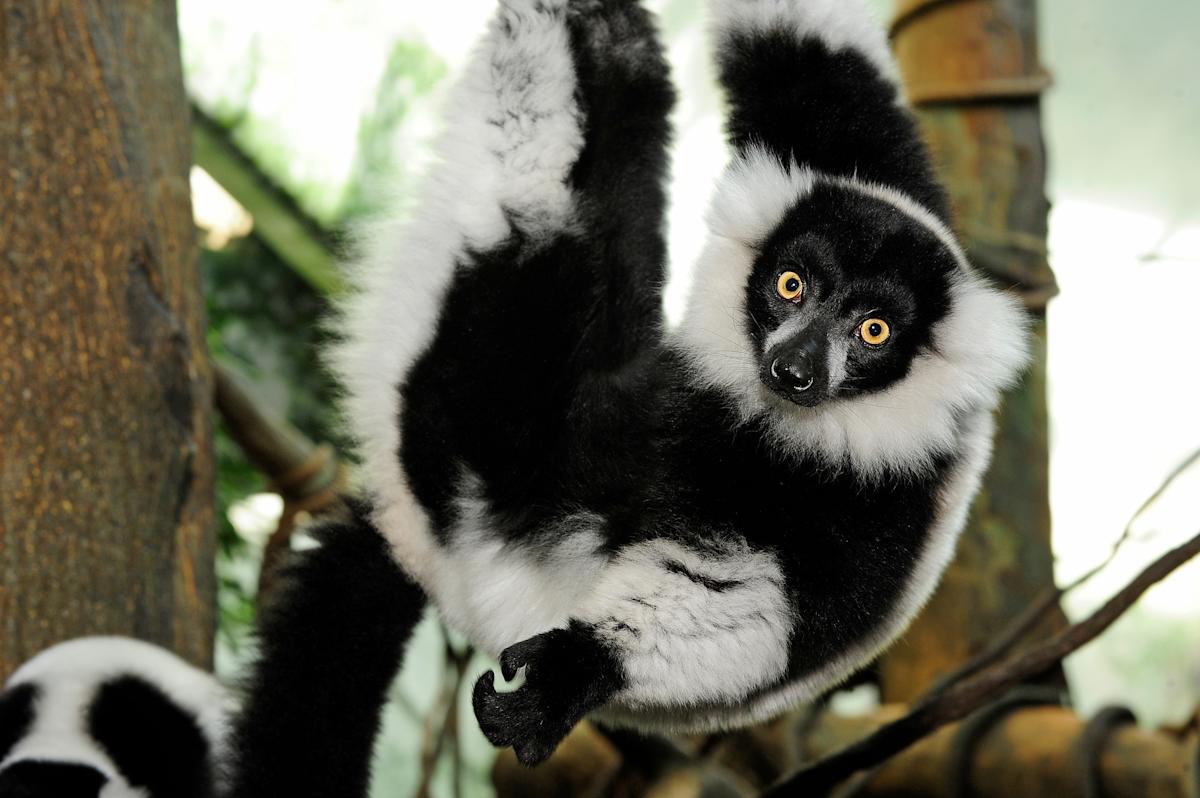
(844, 294)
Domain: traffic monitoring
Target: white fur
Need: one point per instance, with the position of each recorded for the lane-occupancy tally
(499, 593)
(789, 329)
(511, 134)
(978, 349)
(683, 642)
(753, 195)
(68, 676)
(839, 24)
(751, 198)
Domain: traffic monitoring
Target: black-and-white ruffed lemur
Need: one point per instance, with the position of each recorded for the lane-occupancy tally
(111, 717)
(681, 529)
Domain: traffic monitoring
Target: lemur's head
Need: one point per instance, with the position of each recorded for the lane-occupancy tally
(843, 295)
(844, 314)
(112, 717)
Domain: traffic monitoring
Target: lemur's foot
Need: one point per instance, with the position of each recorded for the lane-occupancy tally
(567, 674)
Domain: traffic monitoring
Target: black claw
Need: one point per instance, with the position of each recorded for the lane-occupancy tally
(565, 677)
(486, 703)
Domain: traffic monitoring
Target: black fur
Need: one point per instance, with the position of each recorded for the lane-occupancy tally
(523, 392)
(124, 722)
(32, 779)
(830, 110)
(16, 715)
(332, 639)
(154, 743)
(578, 312)
(859, 539)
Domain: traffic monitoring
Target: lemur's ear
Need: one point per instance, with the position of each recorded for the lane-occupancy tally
(153, 742)
(814, 82)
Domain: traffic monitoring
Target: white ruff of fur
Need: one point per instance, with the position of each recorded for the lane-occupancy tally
(839, 24)
(683, 642)
(978, 349)
(70, 673)
(512, 132)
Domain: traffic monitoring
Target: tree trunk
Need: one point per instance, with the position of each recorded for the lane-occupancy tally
(106, 468)
(972, 70)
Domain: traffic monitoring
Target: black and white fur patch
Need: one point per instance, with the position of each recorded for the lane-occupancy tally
(640, 522)
(110, 717)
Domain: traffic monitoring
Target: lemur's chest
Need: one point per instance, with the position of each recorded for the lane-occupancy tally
(824, 524)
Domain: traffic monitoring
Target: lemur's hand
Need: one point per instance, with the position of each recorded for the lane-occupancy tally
(567, 674)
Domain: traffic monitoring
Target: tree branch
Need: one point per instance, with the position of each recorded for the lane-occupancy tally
(441, 725)
(1045, 603)
(308, 477)
(278, 220)
(960, 699)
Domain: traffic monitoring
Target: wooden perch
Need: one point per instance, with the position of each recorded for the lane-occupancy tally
(308, 476)
(1033, 752)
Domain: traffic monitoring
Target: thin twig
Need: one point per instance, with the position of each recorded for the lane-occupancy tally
(441, 724)
(433, 736)
(460, 659)
(960, 699)
(1033, 615)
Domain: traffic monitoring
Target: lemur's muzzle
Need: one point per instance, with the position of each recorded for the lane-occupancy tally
(795, 370)
(793, 374)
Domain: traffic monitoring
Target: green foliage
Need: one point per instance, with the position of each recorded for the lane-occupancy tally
(263, 320)
(412, 71)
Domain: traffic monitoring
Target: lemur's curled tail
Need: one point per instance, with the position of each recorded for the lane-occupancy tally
(332, 635)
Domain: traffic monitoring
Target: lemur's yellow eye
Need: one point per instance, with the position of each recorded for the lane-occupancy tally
(789, 286)
(874, 331)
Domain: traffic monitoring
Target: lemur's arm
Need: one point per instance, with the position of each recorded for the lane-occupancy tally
(815, 81)
(667, 626)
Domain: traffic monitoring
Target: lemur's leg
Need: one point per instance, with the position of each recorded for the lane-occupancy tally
(572, 99)
(625, 97)
(815, 81)
(332, 637)
(574, 105)
(668, 626)
(579, 98)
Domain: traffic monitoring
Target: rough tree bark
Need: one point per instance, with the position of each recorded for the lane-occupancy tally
(106, 470)
(972, 70)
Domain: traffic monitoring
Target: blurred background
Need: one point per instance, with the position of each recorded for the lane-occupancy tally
(312, 118)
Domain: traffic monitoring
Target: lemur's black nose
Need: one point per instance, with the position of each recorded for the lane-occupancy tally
(794, 372)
